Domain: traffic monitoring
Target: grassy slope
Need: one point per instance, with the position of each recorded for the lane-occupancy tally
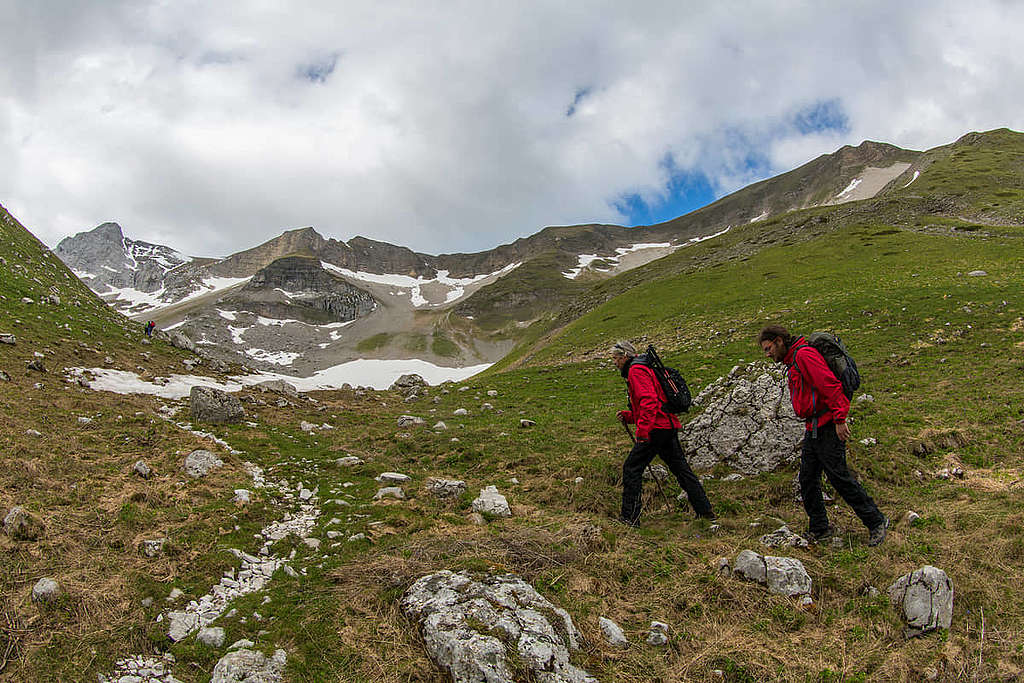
(887, 277)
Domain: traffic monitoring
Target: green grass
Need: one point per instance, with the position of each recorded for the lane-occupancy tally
(375, 342)
(939, 351)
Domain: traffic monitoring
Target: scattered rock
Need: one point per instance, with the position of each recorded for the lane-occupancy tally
(487, 406)
(490, 502)
(470, 628)
(440, 426)
(911, 517)
(305, 495)
(279, 386)
(527, 423)
(925, 600)
(784, 538)
(142, 469)
(33, 432)
(153, 547)
(181, 624)
(977, 273)
(865, 398)
(199, 462)
(410, 421)
(307, 426)
(348, 461)
(446, 488)
(36, 365)
(460, 412)
(46, 590)
(578, 480)
(658, 634)
(723, 568)
(179, 340)
(613, 635)
(211, 636)
(4, 376)
(21, 525)
(392, 478)
(747, 422)
(250, 666)
(656, 471)
(390, 492)
(242, 497)
(7, 338)
(356, 537)
(215, 406)
(735, 476)
(408, 381)
(782, 575)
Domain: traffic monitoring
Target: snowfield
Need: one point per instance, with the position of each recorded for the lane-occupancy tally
(457, 286)
(377, 374)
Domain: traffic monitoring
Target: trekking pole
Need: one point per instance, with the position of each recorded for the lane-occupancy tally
(657, 482)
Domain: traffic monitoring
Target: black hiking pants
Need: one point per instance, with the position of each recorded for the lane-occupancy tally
(827, 454)
(664, 443)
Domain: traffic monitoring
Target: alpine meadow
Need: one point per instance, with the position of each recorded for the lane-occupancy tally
(335, 537)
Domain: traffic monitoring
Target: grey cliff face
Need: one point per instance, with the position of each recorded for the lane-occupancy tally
(298, 287)
(103, 257)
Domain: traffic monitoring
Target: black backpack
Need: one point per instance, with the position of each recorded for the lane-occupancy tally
(677, 394)
(838, 358)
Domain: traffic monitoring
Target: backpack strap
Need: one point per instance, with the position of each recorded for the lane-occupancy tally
(813, 421)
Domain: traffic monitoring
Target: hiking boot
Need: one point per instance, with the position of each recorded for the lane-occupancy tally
(877, 535)
(710, 516)
(813, 537)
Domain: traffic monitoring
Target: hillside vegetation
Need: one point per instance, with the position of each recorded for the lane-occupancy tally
(940, 351)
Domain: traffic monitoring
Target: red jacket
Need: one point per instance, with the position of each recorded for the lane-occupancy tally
(814, 387)
(646, 398)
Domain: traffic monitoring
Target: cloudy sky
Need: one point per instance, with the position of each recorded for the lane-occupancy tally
(459, 125)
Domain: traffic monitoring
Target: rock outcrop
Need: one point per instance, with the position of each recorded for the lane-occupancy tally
(215, 406)
(747, 423)
(782, 575)
(470, 628)
(925, 600)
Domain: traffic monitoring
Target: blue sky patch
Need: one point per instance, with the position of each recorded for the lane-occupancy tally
(824, 115)
(686, 190)
(577, 98)
(319, 71)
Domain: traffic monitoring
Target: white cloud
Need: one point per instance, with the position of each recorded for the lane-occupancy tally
(443, 127)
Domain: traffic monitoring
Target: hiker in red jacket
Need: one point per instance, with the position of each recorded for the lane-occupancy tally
(818, 398)
(657, 433)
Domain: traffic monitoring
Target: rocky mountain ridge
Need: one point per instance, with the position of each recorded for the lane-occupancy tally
(470, 300)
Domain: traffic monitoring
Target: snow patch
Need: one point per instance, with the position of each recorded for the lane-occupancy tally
(850, 188)
(583, 261)
(916, 174)
(273, 357)
(414, 284)
(227, 315)
(378, 374)
(237, 332)
(761, 217)
(82, 275)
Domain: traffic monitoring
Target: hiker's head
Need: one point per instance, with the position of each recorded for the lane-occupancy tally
(775, 341)
(622, 353)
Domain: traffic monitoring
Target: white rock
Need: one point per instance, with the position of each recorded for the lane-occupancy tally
(410, 421)
(977, 273)
(440, 426)
(45, 590)
(357, 537)
(912, 517)
(348, 461)
(392, 478)
(613, 635)
(524, 423)
(492, 393)
(460, 412)
(251, 666)
(925, 600)
(658, 634)
(211, 636)
(490, 502)
(390, 492)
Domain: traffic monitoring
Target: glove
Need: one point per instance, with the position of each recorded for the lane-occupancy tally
(642, 437)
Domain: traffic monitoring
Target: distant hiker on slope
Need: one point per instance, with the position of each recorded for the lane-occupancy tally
(818, 398)
(149, 328)
(656, 434)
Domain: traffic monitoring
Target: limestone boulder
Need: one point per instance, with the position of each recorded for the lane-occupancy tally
(199, 462)
(491, 502)
(22, 525)
(215, 406)
(924, 599)
(747, 422)
(473, 626)
(250, 666)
